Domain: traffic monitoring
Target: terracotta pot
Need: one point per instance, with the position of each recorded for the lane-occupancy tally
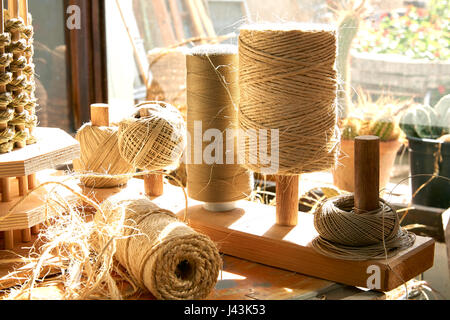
(344, 174)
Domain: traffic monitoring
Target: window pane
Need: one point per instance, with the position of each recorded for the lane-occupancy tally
(51, 64)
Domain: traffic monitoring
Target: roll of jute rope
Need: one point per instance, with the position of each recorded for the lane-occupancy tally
(212, 98)
(288, 82)
(160, 252)
(344, 234)
(154, 138)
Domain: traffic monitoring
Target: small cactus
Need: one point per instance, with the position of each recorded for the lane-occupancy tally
(385, 128)
(350, 128)
(442, 109)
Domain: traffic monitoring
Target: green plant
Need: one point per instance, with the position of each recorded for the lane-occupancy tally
(422, 121)
(348, 15)
(417, 33)
(376, 118)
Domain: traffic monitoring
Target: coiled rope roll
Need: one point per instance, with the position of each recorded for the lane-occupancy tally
(100, 151)
(213, 98)
(288, 82)
(160, 252)
(345, 234)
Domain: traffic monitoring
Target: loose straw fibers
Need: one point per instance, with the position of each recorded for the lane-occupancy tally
(288, 81)
(160, 252)
(344, 234)
(153, 141)
(100, 154)
(212, 97)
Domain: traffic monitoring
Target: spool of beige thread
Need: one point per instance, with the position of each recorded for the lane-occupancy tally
(214, 175)
(159, 252)
(100, 151)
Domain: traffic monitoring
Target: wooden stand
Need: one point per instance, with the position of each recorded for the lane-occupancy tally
(54, 147)
(282, 237)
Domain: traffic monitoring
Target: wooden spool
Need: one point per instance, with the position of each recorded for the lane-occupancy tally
(153, 183)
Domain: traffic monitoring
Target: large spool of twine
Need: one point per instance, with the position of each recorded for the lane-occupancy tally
(100, 154)
(344, 234)
(160, 252)
(288, 82)
(154, 138)
(212, 98)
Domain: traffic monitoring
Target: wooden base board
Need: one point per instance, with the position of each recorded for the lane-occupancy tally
(250, 232)
(31, 211)
(54, 147)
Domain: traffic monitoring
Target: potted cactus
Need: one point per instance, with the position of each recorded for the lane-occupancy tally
(377, 118)
(427, 130)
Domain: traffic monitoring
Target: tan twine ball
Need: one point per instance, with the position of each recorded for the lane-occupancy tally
(100, 155)
(288, 81)
(154, 141)
(344, 234)
(160, 252)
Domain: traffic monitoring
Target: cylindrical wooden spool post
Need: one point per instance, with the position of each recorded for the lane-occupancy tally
(153, 183)
(367, 174)
(9, 240)
(287, 200)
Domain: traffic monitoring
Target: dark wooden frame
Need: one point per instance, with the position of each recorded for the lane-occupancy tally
(86, 56)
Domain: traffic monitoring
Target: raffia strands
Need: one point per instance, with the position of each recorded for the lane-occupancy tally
(344, 234)
(288, 82)
(100, 154)
(160, 252)
(155, 140)
(212, 97)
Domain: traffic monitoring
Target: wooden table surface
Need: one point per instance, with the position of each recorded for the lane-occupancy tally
(238, 280)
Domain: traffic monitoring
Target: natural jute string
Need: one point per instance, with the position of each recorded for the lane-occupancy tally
(22, 83)
(160, 252)
(288, 82)
(100, 154)
(155, 141)
(344, 234)
(212, 98)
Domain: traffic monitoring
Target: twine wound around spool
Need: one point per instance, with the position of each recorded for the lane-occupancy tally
(212, 98)
(344, 234)
(156, 141)
(160, 252)
(288, 82)
(100, 154)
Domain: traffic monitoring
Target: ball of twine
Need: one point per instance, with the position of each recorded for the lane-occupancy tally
(154, 141)
(345, 234)
(160, 252)
(100, 155)
(288, 82)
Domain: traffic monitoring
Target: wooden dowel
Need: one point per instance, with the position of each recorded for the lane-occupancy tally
(9, 240)
(35, 230)
(23, 186)
(32, 182)
(100, 115)
(367, 173)
(287, 200)
(26, 235)
(153, 183)
(6, 189)
(23, 10)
